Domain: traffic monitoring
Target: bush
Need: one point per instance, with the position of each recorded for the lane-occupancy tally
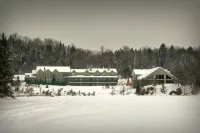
(142, 92)
(150, 88)
(29, 90)
(163, 89)
(59, 92)
(1, 95)
(48, 93)
(147, 91)
(79, 92)
(93, 93)
(70, 92)
(17, 89)
(177, 92)
(43, 92)
(113, 91)
(107, 87)
(83, 93)
(122, 91)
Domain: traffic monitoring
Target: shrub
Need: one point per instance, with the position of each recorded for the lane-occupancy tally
(43, 92)
(142, 92)
(30, 91)
(172, 92)
(177, 92)
(146, 91)
(48, 93)
(93, 93)
(150, 88)
(79, 92)
(83, 93)
(122, 91)
(112, 92)
(1, 95)
(17, 89)
(107, 87)
(70, 92)
(163, 89)
(59, 92)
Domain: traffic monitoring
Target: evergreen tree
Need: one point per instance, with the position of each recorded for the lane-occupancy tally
(162, 54)
(18, 82)
(5, 68)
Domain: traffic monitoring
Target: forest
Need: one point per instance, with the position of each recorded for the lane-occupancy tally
(27, 53)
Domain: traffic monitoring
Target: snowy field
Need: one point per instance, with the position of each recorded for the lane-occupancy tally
(100, 114)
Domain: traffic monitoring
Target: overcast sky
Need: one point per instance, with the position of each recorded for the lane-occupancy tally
(112, 23)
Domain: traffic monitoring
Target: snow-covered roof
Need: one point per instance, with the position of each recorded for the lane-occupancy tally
(92, 70)
(143, 73)
(78, 70)
(28, 74)
(21, 77)
(52, 68)
(92, 76)
(34, 71)
(140, 71)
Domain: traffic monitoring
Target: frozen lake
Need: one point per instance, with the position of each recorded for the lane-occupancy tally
(105, 114)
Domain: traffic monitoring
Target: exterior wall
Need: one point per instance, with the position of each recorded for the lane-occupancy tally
(89, 81)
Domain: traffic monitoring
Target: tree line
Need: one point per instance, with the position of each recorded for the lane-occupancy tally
(27, 53)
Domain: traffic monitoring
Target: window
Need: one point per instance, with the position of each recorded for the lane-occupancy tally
(169, 81)
(40, 74)
(48, 74)
(104, 73)
(86, 73)
(161, 81)
(159, 76)
(168, 77)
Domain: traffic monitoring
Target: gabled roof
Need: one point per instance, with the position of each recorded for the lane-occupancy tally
(143, 73)
(52, 68)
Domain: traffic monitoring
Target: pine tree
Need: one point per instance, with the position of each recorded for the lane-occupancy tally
(162, 54)
(5, 68)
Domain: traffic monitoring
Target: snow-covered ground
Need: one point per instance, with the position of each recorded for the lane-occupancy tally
(100, 114)
(104, 91)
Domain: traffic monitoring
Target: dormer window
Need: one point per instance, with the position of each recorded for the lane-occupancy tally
(104, 73)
